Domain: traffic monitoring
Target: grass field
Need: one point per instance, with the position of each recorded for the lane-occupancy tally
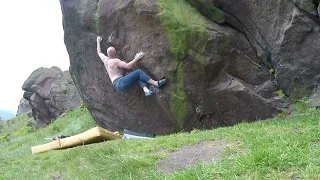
(270, 149)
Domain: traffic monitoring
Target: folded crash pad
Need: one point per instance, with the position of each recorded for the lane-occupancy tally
(96, 134)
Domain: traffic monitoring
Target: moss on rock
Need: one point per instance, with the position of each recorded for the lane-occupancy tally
(184, 27)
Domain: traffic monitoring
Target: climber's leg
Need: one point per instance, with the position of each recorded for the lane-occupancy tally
(153, 82)
(142, 84)
(157, 83)
(146, 90)
(124, 83)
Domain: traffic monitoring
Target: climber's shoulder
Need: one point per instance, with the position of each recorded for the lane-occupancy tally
(113, 60)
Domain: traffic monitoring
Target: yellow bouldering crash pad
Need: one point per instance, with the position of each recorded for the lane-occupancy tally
(96, 134)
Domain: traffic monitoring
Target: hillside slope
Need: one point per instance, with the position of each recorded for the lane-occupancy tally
(272, 149)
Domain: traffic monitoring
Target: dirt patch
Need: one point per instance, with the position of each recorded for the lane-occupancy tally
(205, 151)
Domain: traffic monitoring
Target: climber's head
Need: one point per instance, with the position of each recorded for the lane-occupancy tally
(111, 51)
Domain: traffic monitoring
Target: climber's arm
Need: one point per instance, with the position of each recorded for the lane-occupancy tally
(123, 65)
(101, 55)
(130, 64)
(137, 57)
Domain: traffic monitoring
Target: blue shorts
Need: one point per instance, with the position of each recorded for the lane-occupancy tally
(123, 84)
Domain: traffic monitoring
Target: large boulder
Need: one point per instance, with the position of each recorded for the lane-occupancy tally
(217, 77)
(50, 92)
(24, 107)
(283, 33)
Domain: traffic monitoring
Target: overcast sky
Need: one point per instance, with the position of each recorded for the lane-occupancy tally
(31, 36)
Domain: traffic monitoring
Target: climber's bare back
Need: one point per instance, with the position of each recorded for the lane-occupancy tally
(113, 68)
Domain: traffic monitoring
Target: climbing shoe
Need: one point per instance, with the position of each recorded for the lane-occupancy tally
(149, 93)
(161, 82)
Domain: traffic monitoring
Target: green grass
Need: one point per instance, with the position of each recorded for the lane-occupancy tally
(280, 93)
(15, 127)
(15, 145)
(270, 149)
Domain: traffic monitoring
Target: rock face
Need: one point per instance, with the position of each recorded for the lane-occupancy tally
(283, 32)
(224, 59)
(314, 100)
(24, 107)
(50, 92)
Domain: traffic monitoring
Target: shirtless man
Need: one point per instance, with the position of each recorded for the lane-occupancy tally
(115, 68)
